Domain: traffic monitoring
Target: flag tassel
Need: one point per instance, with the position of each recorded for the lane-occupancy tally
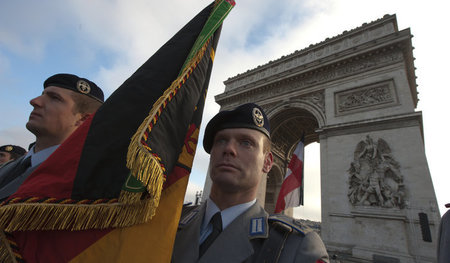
(145, 165)
(78, 216)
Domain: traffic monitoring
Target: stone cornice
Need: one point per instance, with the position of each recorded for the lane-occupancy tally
(348, 39)
(381, 123)
(319, 59)
(313, 76)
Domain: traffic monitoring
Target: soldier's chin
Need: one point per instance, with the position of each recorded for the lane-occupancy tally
(32, 127)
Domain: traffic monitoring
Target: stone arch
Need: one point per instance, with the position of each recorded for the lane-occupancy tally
(305, 105)
(356, 85)
(288, 124)
(289, 121)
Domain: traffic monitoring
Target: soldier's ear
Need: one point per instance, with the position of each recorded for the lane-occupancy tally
(268, 162)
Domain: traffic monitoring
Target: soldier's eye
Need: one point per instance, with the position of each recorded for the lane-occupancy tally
(246, 143)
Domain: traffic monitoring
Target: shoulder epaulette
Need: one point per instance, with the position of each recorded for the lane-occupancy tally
(187, 213)
(286, 221)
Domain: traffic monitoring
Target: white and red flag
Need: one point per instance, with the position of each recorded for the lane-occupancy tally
(291, 192)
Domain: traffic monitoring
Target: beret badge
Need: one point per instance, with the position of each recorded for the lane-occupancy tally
(83, 87)
(8, 148)
(258, 117)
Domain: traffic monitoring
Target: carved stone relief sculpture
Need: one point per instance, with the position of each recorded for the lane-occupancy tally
(375, 178)
(366, 98)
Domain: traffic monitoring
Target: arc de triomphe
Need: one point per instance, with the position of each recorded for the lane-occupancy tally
(356, 95)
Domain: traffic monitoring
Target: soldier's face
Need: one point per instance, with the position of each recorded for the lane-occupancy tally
(237, 160)
(53, 115)
(4, 157)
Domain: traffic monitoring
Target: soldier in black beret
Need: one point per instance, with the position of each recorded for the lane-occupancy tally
(76, 84)
(231, 226)
(65, 103)
(250, 116)
(10, 152)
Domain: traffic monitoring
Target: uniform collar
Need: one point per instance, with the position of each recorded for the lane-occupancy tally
(228, 215)
(41, 156)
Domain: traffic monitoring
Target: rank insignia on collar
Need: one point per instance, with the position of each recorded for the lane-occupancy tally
(188, 217)
(257, 226)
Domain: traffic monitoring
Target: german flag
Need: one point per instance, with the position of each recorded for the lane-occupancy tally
(113, 191)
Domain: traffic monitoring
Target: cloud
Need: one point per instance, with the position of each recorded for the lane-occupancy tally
(25, 31)
(131, 33)
(17, 136)
(4, 64)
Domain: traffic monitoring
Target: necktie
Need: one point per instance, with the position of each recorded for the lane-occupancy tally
(24, 165)
(17, 171)
(216, 222)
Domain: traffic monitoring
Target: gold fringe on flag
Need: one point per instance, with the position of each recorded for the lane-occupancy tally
(6, 253)
(77, 216)
(143, 163)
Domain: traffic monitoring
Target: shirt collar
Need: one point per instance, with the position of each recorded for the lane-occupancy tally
(39, 157)
(228, 215)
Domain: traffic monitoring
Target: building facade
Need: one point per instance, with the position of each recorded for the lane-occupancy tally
(356, 95)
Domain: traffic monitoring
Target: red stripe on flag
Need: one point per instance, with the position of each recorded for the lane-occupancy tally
(55, 176)
(292, 181)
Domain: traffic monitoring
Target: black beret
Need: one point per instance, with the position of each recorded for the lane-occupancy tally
(249, 116)
(75, 83)
(13, 149)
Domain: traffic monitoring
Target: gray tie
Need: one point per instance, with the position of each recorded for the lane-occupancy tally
(216, 222)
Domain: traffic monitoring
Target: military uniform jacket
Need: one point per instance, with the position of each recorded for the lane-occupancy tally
(11, 184)
(246, 239)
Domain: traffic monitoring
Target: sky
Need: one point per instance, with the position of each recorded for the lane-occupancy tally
(107, 40)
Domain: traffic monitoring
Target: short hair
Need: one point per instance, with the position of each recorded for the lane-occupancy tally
(267, 144)
(84, 104)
